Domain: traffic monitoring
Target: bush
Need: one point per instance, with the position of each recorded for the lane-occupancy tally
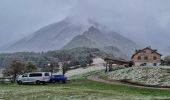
(166, 61)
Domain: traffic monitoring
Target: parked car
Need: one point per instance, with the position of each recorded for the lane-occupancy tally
(35, 77)
(58, 78)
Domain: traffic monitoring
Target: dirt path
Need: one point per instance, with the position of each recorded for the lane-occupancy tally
(96, 78)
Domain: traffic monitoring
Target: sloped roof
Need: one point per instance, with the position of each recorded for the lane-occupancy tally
(138, 51)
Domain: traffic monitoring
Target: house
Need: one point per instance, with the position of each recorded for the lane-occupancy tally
(146, 57)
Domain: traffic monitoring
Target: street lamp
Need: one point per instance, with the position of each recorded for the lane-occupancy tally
(51, 70)
(49, 64)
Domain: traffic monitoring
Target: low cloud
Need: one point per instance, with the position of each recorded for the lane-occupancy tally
(144, 21)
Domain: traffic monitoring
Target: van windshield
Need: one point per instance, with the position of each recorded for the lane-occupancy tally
(35, 75)
(25, 75)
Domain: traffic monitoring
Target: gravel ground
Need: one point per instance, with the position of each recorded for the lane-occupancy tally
(144, 75)
(81, 71)
(97, 65)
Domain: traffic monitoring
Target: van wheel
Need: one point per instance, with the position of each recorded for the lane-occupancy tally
(19, 82)
(37, 82)
(43, 83)
(64, 81)
(51, 81)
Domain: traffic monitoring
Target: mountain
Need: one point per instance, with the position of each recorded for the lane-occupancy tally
(71, 33)
(51, 37)
(116, 52)
(108, 41)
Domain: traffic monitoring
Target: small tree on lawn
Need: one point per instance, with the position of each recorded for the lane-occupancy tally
(89, 61)
(65, 67)
(166, 61)
(16, 68)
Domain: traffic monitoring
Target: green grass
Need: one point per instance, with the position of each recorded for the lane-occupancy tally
(79, 89)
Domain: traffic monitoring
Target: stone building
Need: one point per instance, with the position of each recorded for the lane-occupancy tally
(146, 57)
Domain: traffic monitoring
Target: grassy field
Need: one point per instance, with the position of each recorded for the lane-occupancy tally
(80, 89)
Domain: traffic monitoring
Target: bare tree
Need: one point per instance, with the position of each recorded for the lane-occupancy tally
(17, 67)
(65, 67)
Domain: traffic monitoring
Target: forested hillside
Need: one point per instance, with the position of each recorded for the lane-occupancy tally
(75, 56)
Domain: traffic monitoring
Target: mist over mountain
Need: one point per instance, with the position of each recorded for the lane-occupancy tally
(71, 33)
(146, 22)
(50, 37)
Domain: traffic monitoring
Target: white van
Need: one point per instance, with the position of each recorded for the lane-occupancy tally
(35, 77)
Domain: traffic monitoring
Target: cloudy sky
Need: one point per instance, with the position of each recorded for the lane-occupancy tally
(145, 21)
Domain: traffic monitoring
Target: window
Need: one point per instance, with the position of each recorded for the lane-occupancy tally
(47, 74)
(144, 64)
(145, 58)
(25, 75)
(57, 75)
(154, 58)
(139, 57)
(35, 75)
(154, 64)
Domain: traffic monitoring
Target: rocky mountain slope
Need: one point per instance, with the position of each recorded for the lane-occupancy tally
(108, 41)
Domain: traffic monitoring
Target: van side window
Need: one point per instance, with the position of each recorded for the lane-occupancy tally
(47, 74)
(25, 75)
(35, 75)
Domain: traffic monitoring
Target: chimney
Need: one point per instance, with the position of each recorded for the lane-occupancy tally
(155, 50)
(136, 50)
(149, 47)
